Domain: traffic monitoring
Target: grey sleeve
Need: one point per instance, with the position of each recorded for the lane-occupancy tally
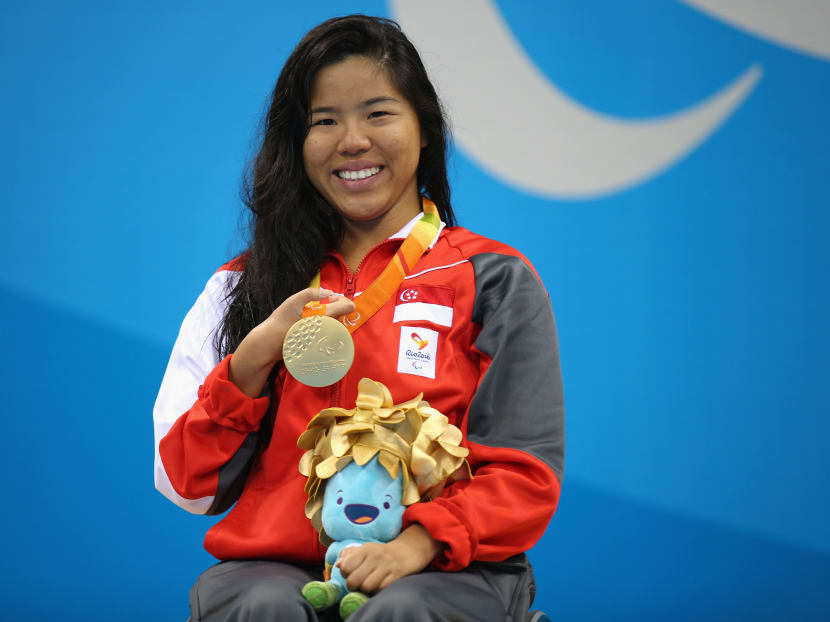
(519, 402)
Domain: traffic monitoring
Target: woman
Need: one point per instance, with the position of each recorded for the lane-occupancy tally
(353, 150)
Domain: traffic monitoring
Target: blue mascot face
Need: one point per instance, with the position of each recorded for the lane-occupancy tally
(363, 503)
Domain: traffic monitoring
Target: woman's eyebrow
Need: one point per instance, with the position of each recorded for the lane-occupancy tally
(325, 109)
(369, 102)
(379, 100)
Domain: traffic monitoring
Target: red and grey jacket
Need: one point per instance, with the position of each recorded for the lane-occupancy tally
(471, 327)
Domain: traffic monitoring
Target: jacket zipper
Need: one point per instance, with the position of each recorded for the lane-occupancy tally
(349, 293)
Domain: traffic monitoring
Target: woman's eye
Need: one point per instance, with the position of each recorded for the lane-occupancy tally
(378, 113)
(324, 122)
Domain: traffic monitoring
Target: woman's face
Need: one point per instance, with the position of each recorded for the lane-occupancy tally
(362, 149)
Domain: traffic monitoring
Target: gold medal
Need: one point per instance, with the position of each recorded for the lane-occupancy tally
(318, 350)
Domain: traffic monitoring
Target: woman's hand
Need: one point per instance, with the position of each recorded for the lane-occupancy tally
(262, 347)
(374, 565)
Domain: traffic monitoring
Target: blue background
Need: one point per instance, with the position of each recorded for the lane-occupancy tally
(691, 308)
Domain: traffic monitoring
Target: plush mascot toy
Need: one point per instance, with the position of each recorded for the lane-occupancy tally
(364, 466)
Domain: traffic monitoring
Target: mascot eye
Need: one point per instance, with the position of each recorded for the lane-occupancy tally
(386, 504)
(339, 500)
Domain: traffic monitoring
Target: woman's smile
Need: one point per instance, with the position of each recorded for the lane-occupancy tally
(358, 171)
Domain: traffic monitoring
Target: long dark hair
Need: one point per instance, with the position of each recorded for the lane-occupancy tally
(292, 226)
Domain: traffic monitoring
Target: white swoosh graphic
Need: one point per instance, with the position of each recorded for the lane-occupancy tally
(510, 119)
(803, 25)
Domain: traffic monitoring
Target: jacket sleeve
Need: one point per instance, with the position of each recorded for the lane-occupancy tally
(205, 428)
(514, 424)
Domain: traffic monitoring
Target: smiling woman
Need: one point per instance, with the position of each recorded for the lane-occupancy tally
(349, 192)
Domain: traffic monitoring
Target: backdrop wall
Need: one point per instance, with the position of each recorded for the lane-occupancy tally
(663, 165)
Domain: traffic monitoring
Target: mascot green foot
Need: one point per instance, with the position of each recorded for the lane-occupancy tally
(321, 595)
(351, 602)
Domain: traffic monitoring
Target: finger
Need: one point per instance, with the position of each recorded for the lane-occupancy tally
(339, 305)
(294, 304)
(387, 580)
(298, 300)
(318, 293)
(358, 575)
(373, 581)
(349, 559)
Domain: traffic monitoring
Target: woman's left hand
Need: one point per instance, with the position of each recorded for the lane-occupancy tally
(374, 565)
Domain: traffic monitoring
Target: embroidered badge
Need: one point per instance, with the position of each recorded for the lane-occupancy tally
(424, 302)
(416, 354)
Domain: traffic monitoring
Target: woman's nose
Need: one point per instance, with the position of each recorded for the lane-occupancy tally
(354, 139)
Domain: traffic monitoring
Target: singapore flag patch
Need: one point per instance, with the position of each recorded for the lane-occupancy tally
(424, 302)
(416, 354)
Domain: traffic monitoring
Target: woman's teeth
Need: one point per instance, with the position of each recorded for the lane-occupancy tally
(361, 174)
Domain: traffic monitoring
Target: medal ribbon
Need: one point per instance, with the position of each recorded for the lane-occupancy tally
(384, 287)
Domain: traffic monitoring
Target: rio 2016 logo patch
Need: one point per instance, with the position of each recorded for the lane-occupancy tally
(416, 353)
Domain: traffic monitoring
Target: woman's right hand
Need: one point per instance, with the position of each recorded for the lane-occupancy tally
(262, 347)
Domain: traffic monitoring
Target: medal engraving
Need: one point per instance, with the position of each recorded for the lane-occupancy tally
(318, 351)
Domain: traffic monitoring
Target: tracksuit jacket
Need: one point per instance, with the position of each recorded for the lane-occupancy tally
(471, 327)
